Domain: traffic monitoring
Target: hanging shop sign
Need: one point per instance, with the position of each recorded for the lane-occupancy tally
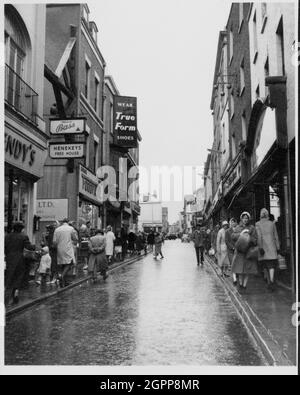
(52, 209)
(66, 151)
(88, 183)
(24, 153)
(67, 126)
(125, 121)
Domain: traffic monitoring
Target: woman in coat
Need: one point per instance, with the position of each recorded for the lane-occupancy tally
(15, 243)
(268, 243)
(241, 265)
(222, 253)
(110, 239)
(97, 258)
(231, 245)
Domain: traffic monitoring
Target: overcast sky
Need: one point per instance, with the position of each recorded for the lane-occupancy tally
(163, 52)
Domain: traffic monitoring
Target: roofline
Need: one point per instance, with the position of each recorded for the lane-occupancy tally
(109, 81)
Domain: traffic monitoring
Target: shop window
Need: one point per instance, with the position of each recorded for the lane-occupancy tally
(19, 205)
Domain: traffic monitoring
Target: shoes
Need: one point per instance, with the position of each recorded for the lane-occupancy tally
(271, 287)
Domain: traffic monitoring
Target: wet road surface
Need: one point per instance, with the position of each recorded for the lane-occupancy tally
(165, 312)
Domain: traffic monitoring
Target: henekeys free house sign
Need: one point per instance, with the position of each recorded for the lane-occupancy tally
(67, 126)
(125, 121)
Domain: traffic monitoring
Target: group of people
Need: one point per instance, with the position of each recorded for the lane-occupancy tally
(62, 246)
(242, 247)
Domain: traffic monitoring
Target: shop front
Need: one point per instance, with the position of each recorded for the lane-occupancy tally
(25, 156)
(90, 208)
(268, 182)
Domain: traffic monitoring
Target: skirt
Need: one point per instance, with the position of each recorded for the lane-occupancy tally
(269, 264)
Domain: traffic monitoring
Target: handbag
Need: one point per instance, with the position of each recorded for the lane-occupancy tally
(281, 262)
(252, 253)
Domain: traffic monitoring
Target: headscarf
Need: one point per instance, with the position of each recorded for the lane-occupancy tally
(264, 213)
(245, 213)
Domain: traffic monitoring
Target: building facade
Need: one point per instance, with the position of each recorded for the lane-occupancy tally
(74, 84)
(25, 133)
(124, 211)
(260, 80)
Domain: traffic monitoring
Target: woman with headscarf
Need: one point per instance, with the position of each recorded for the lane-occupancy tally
(268, 243)
(244, 265)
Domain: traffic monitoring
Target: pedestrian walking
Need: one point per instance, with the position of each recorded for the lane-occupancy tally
(97, 257)
(110, 239)
(64, 238)
(231, 245)
(269, 246)
(75, 246)
(158, 246)
(139, 243)
(52, 251)
(198, 238)
(222, 253)
(84, 235)
(207, 241)
(118, 247)
(151, 240)
(131, 242)
(244, 262)
(44, 267)
(124, 239)
(14, 245)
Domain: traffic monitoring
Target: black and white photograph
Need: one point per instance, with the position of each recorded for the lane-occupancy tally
(149, 205)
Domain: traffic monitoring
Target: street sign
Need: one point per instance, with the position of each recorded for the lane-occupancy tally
(66, 151)
(125, 121)
(67, 126)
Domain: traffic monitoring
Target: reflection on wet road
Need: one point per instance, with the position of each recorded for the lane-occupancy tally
(165, 312)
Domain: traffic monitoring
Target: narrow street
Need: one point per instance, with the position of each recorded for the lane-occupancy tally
(164, 312)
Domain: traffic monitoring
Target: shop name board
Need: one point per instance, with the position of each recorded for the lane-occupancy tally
(66, 151)
(24, 154)
(52, 209)
(67, 126)
(125, 121)
(88, 184)
(19, 150)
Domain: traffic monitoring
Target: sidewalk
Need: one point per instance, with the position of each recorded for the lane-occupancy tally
(267, 315)
(36, 294)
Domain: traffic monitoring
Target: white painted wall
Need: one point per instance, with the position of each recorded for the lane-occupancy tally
(267, 47)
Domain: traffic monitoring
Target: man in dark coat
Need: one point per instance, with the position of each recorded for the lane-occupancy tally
(15, 243)
(151, 239)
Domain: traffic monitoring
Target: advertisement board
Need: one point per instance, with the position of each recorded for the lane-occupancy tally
(67, 126)
(66, 151)
(125, 121)
(52, 209)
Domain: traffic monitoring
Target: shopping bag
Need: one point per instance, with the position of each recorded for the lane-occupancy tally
(243, 242)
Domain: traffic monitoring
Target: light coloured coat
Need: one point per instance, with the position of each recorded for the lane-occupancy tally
(222, 253)
(110, 238)
(267, 238)
(64, 237)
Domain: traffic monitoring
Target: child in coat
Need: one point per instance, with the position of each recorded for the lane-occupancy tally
(45, 265)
